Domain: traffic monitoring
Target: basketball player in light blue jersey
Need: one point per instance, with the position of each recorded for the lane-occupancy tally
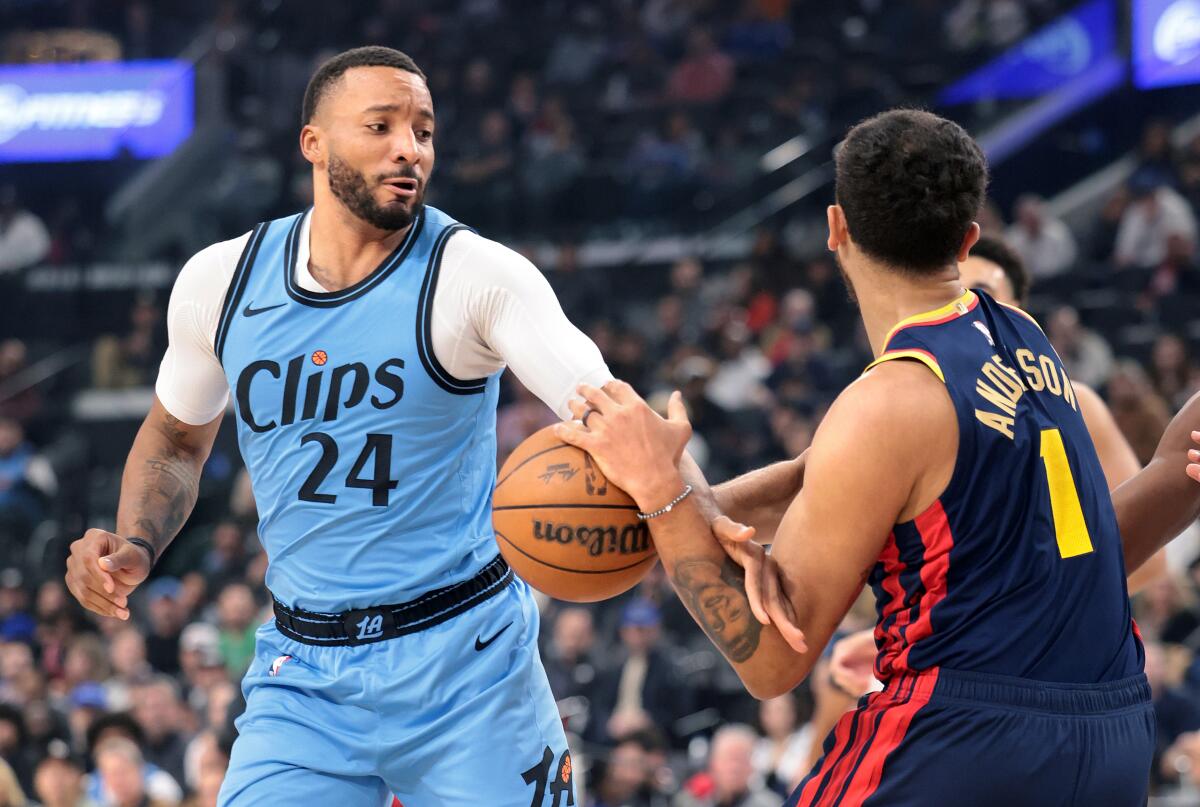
(363, 341)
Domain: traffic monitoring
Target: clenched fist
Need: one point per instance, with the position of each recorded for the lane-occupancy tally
(103, 569)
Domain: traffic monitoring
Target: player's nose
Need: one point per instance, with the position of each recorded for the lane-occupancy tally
(405, 147)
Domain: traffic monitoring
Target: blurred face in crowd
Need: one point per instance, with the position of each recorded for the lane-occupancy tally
(9, 736)
(127, 653)
(730, 765)
(573, 633)
(51, 599)
(122, 776)
(155, 708)
(371, 141)
(58, 783)
(778, 716)
(11, 436)
(236, 607)
(980, 273)
(626, 772)
(639, 638)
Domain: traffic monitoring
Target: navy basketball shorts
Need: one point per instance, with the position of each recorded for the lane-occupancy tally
(942, 737)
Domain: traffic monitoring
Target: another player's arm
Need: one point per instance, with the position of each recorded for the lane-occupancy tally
(1120, 465)
(1162, 500)
(827, 542)
(760, 498)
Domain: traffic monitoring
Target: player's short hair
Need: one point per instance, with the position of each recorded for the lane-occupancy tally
(332, 70)
(996, 250)
(910, 184)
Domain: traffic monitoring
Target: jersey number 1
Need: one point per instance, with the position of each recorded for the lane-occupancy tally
(1069, 526)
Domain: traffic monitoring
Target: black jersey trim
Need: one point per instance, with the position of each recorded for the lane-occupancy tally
(237, 287)
(330, 299)
(437, 372)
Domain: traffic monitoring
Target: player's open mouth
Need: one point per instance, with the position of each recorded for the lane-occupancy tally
(402, 187)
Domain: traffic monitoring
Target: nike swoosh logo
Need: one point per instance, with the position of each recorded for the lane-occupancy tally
(254, 312)
(481, 645)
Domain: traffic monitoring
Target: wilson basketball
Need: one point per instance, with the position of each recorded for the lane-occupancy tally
(564, 527)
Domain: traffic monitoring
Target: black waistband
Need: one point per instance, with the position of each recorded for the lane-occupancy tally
(382, 622)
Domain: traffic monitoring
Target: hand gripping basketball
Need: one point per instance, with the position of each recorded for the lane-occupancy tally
(635, 448)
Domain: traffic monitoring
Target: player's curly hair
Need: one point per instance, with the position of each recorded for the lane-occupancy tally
(329, 72)
(997, 250)
(910, 184)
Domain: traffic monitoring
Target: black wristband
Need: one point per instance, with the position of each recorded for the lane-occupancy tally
(146, 545)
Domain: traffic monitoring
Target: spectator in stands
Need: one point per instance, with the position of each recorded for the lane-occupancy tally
(729, 780)
(207, 769)
(131, 361)
(705, 75)
(1084, 353)
(1155, 213)
(120, 766)
(26, 482)
(156, 708)
(16, 753)
(1155, 153)
(127, 657)
(484, 174)
(59, 782)
(1189, 172)
(201, 662)
(624, 779)
(166, 618)
(19, 400)
(1175, 710)
(225, 561)
(1043, 241)
(236, 611)
(11, 793)
(157, 783)
(1175, 375)
(23, 237)
(569, 664)
(1140, 412)
(644, 688)
(781, 756)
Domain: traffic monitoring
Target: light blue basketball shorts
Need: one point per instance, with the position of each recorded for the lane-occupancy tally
(460, 713)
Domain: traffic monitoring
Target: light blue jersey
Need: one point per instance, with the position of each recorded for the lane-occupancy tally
(372, 467)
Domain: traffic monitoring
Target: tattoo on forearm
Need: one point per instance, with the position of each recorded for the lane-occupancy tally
(715, 593)
(169, 486)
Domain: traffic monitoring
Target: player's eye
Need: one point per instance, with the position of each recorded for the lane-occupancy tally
(425, 134)
(378, 128)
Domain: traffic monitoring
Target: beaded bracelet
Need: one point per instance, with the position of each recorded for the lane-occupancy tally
(687, 491)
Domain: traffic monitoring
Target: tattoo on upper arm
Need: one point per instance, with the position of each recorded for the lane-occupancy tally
(716, 594)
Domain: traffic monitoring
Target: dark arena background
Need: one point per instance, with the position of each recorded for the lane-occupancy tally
(667, 165)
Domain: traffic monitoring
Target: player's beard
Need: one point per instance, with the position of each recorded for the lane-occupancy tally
(353, 190)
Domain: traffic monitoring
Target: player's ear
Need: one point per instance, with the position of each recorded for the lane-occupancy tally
(312, 144)
(839, 233)
(968, 241)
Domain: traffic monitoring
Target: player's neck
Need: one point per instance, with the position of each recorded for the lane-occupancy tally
(343, 249)
(888, 298)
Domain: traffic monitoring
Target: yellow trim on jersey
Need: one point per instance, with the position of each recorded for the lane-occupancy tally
(1023, 313)
(919, 355)
(958, 307)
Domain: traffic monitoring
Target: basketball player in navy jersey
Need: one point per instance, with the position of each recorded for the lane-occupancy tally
(956, 476)
(363, 341)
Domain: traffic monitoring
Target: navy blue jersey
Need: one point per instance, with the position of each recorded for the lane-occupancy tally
(1017, 568)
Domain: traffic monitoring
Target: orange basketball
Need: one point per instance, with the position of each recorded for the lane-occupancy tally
(564, 527)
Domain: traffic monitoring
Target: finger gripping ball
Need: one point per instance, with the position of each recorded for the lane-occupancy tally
(563, 527)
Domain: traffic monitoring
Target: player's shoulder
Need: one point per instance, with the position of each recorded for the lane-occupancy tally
(219, 259)
(895, 403)
(474, 258)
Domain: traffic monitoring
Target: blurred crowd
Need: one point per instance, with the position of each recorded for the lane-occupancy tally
(547, 118)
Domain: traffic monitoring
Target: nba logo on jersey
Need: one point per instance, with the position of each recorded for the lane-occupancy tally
(277, 663)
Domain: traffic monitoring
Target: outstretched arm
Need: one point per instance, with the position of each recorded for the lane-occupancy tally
(1162, 500)
(827, 542)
